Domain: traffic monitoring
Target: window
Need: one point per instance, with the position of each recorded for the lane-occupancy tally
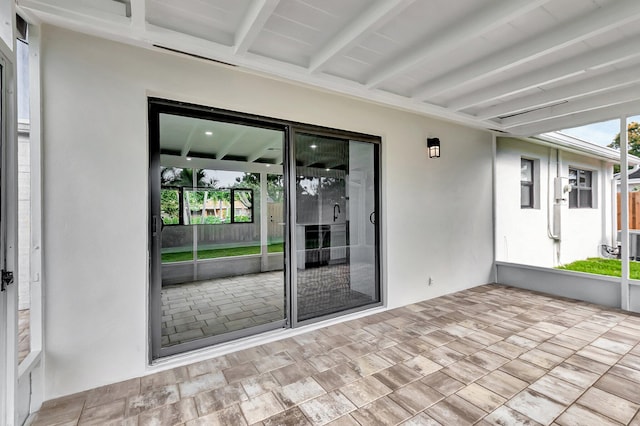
(182, 204)
(581, 195)
(526, 184)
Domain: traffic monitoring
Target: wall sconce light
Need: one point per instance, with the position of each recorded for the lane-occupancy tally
(433, 145)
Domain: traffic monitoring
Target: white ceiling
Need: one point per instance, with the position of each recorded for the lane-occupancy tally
(196, 137)
(520, 66)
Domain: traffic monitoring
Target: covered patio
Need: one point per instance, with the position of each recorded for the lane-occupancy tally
(488, 355)
(448, 334)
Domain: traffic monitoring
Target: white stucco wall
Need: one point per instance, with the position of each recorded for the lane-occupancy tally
(437, 214)
(521, 234)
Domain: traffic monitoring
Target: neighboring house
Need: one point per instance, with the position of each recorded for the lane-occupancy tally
(633, 179)
(539, 221)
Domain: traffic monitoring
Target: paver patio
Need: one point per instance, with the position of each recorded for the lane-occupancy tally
(207, 308)
(488, 355)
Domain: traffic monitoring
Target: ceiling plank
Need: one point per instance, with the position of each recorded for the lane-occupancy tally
(581, 88)
(107, 6)
(607, 55)
(600, 100)
(488, 18)
(578, 119)
(255, 18)
(74, 13)
(369, 21)
(566, 34)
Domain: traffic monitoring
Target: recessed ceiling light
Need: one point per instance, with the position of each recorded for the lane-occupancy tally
(268, 165)
(314, 146)
(208, 133)
(327, 169)
(188, 158)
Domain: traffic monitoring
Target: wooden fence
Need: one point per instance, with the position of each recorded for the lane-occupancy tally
(634, 210)
(228, 233)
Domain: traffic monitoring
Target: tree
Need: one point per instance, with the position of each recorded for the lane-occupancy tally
(275, 185)
(181, 179)
(633, 139)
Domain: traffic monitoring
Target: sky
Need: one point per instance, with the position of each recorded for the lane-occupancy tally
(599, 133)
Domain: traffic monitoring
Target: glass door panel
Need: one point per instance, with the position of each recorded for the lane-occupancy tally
(335, 230)
(217, 279)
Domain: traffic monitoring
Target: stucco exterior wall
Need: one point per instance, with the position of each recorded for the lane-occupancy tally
(436, 218)
(522, 234)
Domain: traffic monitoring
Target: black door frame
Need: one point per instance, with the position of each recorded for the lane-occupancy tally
(156, 106)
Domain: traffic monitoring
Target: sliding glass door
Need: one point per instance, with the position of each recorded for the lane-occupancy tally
(336, 186)
(255, 224)
(218, 225)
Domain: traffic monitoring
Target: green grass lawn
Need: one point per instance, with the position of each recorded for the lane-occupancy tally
(221, 252)
(599, 266)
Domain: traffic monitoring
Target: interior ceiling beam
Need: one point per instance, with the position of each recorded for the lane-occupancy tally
(138, 14)
(257, 15)
(211, 164)
(378, 14)
(606, 55)
(258, 154)
(224, 150)
(189, 142)
(578, 119)
(601, 100)
(586, 87)
(474, 25)
(604, 19)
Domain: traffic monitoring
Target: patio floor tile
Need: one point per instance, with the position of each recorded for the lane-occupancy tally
(536, 406)
(455, 410)
(415, 397)
(481, 397)
(576, 415)
(502, 383)
(612, 406)
(364, 391)
(508, 417)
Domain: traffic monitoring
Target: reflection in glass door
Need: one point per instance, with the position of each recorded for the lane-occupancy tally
(335, 231)
(255, 225)
(219, 203)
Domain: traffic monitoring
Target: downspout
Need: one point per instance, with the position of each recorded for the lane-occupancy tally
(553, 222)
(494, 201)
(614, 212)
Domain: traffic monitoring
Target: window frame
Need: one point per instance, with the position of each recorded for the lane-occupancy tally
(579, 189)
(529, 184)
(182, 190)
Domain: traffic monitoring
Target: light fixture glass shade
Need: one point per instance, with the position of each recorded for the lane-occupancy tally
(433, 145)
